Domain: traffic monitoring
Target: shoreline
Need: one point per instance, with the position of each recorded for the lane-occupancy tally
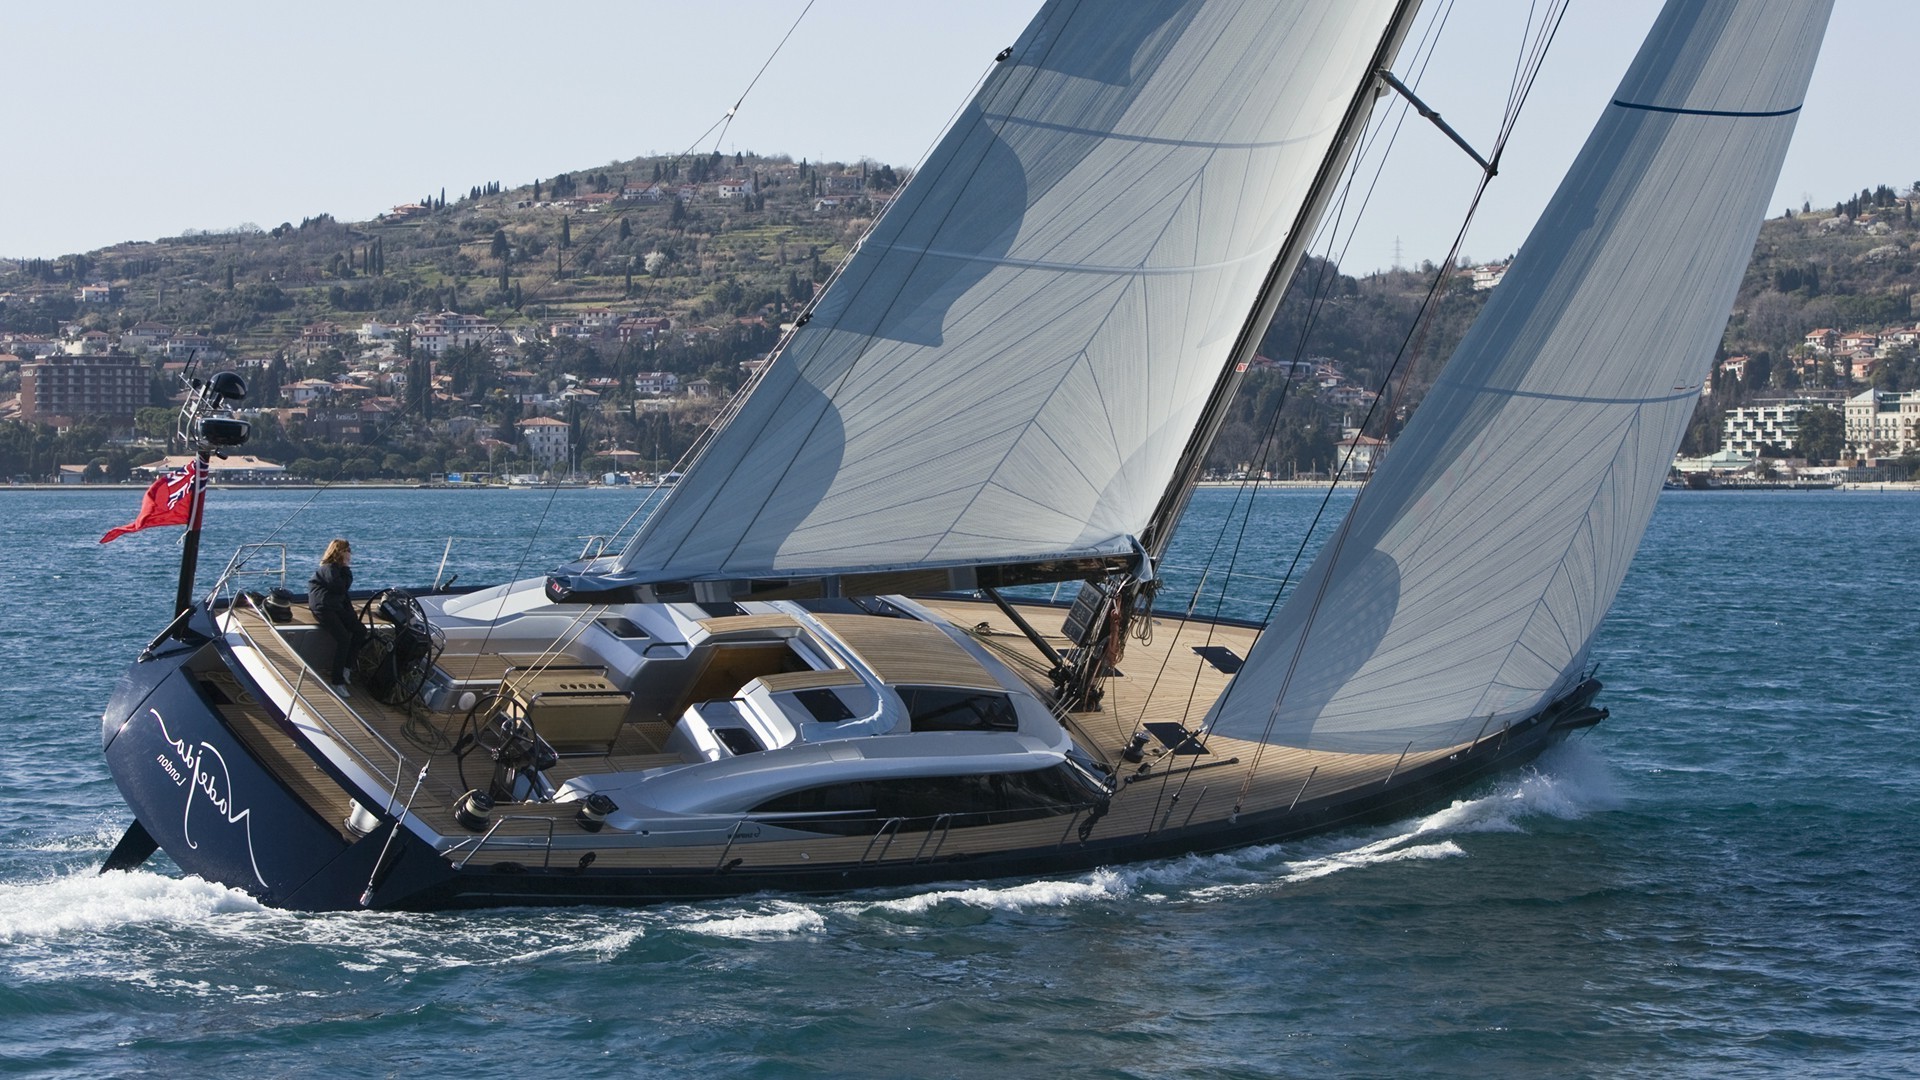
(1889, 486)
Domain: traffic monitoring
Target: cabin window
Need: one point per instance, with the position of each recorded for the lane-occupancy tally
(939, 708)
(624, 628)
(823, 705)
(738, 740)
(860, 807)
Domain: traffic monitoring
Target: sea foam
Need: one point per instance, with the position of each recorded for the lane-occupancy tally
(85, 902)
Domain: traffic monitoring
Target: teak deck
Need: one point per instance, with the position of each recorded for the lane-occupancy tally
(1163, 681)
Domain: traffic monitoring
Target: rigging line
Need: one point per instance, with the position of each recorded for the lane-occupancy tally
(722, 124)
(899, 289)
(1520, 58)
(525, 552)
(1324, 276)
(1273, 605)
(1249, 487)
(379, 434)
(1309, 322)
(427, 388)
(756, 75)
(1550, 29)
(692, 456)
(695, 451)
(1338, 540)
(1317, 303)
(1330, 227)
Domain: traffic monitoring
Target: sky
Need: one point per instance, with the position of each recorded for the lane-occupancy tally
(135, 121)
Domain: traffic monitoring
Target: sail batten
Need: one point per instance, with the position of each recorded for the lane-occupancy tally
(1015, 359)
(1468, 581)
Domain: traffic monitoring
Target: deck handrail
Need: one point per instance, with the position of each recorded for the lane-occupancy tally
(546, 856)
(296, 687)
(236, 567)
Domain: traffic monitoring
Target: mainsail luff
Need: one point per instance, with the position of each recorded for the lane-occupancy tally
(1010, 366)
(1467, 582)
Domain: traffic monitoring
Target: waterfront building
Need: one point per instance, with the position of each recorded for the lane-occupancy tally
(1881, 424)
(59, 390)
(1773, 422)
(229, 469)
(547, 439)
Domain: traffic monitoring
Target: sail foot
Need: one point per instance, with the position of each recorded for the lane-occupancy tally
(577, 585)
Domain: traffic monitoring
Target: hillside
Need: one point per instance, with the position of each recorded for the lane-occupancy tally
(576, 285)
(718, 249)
(1848, 269)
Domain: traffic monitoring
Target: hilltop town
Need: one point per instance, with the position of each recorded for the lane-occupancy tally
(594, 323)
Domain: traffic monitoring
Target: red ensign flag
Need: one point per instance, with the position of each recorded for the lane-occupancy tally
(168, 502)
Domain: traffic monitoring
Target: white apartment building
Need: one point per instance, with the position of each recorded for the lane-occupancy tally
(1774, 423)
(546, 440)
(656, 383)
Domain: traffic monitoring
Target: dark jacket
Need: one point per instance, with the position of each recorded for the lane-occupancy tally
(327, 590)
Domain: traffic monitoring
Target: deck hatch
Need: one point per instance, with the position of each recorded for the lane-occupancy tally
(1176, 738)
(1221, 657)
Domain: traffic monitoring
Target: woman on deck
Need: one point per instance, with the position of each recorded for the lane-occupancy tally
(327, 596)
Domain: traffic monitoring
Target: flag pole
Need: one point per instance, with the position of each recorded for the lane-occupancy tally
(190, 546)
(208, 425)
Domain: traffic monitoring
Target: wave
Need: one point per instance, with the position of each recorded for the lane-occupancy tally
(86, 902)
(781, 919)
(1568, 782)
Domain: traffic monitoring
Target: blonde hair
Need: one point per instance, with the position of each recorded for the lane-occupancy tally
(336, 552)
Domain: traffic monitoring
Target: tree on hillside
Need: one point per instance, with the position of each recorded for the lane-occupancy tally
(1823, 434)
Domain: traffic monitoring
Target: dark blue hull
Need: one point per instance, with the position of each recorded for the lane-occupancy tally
(202, 794)
(218, 809)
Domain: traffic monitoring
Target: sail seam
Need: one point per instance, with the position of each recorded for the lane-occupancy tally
(993, 474)
(1018, 94)
(1677, 111)
(1684, 394)
(1585, 525)
(1069, 267)
(1155, 140)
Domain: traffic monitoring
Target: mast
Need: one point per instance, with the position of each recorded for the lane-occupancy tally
(1166, 515)
(1002, 380)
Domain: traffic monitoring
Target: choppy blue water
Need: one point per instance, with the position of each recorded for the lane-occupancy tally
(1721, 880)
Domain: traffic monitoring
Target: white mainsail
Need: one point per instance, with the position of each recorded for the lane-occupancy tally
(1010, 366)
(1467, 582)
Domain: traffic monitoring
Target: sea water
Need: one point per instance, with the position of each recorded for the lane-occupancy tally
(1720, 880)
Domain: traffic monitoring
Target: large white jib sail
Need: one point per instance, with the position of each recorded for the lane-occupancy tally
(1465, 587)
(1010, 366)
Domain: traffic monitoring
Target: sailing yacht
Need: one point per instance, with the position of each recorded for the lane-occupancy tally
(805, 670)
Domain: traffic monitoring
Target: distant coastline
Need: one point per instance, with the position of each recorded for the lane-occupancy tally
(402, 485)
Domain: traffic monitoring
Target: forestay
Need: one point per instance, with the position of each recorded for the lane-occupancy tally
(1465, 587)
(1010, 365)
